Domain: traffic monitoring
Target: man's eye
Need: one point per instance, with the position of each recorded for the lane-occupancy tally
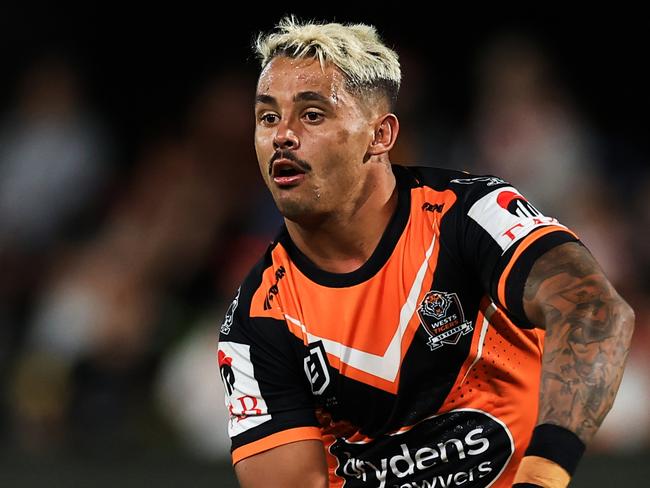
(313, 116)
(269, 118)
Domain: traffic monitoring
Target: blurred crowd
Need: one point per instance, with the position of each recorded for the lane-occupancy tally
(114, 277)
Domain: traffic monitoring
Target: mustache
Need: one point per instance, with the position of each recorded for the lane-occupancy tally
(304, 165)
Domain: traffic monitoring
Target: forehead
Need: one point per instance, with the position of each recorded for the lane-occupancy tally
(290, 76)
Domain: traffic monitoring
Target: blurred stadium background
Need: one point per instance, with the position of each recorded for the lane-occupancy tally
(131, 207)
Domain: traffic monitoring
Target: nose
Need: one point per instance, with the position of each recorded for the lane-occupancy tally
(285, 138)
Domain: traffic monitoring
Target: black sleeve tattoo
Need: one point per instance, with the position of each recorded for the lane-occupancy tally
(588, 333)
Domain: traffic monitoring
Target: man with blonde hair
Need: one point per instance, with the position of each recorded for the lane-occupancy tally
(409, 326)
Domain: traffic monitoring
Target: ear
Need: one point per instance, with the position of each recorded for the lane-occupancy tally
(385, 135)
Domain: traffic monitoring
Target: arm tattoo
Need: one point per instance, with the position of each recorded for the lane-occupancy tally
(588, 333)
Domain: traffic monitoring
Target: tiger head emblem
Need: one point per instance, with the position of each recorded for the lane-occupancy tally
(435, 304)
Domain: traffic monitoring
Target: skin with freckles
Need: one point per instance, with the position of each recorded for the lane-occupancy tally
(304, 113)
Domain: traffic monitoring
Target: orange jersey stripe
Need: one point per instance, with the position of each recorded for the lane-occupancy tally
(275, 440)
(347, 317)
(502, 355)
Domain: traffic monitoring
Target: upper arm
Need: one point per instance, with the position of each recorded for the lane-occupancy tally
(501, 237)
(588, 334)
(567, 286)
(298, 464)
(267, 394)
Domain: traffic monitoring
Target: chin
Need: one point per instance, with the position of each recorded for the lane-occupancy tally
(292, 209)
(297, 211)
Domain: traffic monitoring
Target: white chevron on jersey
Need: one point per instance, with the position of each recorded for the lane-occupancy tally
(387, 365)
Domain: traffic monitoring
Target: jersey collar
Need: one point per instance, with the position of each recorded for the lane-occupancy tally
(379, 257)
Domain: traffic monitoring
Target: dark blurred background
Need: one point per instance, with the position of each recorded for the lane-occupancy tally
(131, 207)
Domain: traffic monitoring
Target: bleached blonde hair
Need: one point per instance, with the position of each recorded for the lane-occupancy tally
(368, 65)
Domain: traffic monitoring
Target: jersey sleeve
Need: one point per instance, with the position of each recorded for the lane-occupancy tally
(268, 398)
(502, 235)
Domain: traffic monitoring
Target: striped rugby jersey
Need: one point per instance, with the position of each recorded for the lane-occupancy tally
(419, 369)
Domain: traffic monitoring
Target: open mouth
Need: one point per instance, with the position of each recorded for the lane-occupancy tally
(287, 173)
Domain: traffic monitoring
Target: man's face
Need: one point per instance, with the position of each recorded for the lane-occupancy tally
(311, 139)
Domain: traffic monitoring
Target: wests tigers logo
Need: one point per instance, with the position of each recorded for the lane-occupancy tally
(435, 304)
(442, 317)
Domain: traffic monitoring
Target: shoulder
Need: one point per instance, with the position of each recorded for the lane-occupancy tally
(254, 288)
(467, 187)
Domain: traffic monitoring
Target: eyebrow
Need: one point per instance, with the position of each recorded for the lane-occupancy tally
(310, 96)
(306, 96)
(267, 99)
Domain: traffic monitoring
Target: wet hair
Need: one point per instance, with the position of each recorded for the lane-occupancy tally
(370, 67)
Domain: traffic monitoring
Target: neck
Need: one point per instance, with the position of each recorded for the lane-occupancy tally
(344, 241)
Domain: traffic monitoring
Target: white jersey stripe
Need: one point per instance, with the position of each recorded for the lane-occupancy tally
(386, 366)
(479, 349)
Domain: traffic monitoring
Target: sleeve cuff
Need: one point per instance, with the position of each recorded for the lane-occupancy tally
(557, 445)
(274, 440)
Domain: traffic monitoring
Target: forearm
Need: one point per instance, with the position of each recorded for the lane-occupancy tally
(298, 464)
(588, 333)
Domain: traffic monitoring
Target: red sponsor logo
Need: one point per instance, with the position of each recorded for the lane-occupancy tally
(512, 232)
(248, 405)
(516, 204)
(227, 373)
(224, 360)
